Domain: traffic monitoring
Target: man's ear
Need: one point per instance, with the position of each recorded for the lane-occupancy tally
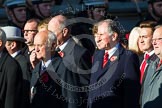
(65, 31)
(13, 45)
(10, 13)
(114, 36)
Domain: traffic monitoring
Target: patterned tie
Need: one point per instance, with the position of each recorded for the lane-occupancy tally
(143, 66)
(105, 59)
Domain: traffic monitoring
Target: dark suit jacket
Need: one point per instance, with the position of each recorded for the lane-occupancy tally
(46, 93)
(10, 82)
(78, 61)
(117, 84)
(26, 79)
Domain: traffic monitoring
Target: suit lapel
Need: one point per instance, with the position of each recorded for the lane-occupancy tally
(112, 64)
(99, 60)
(155, 71)
(69, 47)
(53, 67)
(149, 62)
(35, 75)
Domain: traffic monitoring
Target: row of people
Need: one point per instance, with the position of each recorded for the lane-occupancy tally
(116, 82)
(71, 80)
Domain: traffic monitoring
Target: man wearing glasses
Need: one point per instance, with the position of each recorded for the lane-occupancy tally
(152, 91)
(30, 30)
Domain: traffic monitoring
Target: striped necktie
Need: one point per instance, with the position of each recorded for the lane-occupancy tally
(105, 59)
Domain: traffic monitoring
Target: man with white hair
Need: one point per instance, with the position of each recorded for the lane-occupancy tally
(43, 87)
(10, 78)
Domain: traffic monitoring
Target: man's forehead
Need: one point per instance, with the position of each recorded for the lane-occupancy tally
(158, 32)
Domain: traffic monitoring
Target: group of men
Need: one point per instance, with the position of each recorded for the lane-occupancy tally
(52, 69)
(70, 80)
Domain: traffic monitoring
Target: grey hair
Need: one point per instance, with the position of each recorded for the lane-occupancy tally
(158, 26)
(112, 26)
(62, 22)
(51, 38)
(3, 37)
(65, 22)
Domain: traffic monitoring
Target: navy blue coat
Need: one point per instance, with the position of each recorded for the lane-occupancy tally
(117, 84)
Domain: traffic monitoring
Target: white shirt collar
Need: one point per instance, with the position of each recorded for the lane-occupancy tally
(15, 54)
(112, 51)
(46, 64)
(64, 45)
(150, 53)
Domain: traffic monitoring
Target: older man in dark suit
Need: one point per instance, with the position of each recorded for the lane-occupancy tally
(115, 72)
(10, 78)
(13, 45)
(45, 92)
(75, 58)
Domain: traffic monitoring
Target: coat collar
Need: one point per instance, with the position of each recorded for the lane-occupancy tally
(69, 47)
(155, 72)
(51, 69)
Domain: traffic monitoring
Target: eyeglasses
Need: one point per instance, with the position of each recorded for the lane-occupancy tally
(156, 40)
(29, 31)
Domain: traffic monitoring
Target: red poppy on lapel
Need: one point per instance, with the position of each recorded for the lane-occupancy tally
(113, 58)
(61, 53)
(44, 77)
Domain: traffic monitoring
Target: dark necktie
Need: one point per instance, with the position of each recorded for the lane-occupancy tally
(105, 59)
(143, 66)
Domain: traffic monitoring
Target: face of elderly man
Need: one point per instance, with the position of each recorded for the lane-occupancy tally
(104, 38)
(157, 42)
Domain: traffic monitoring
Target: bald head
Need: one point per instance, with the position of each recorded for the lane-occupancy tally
(44, 44)
(157, 41)
(41, 36)
(58, 25)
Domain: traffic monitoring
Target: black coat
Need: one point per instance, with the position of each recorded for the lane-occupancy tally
(45, 92)
(10, 82)
(26, 79)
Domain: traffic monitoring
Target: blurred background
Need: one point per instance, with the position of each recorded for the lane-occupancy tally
(128, 12)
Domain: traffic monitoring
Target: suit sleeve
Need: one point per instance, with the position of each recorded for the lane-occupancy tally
(131, 81)
(14, 86)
